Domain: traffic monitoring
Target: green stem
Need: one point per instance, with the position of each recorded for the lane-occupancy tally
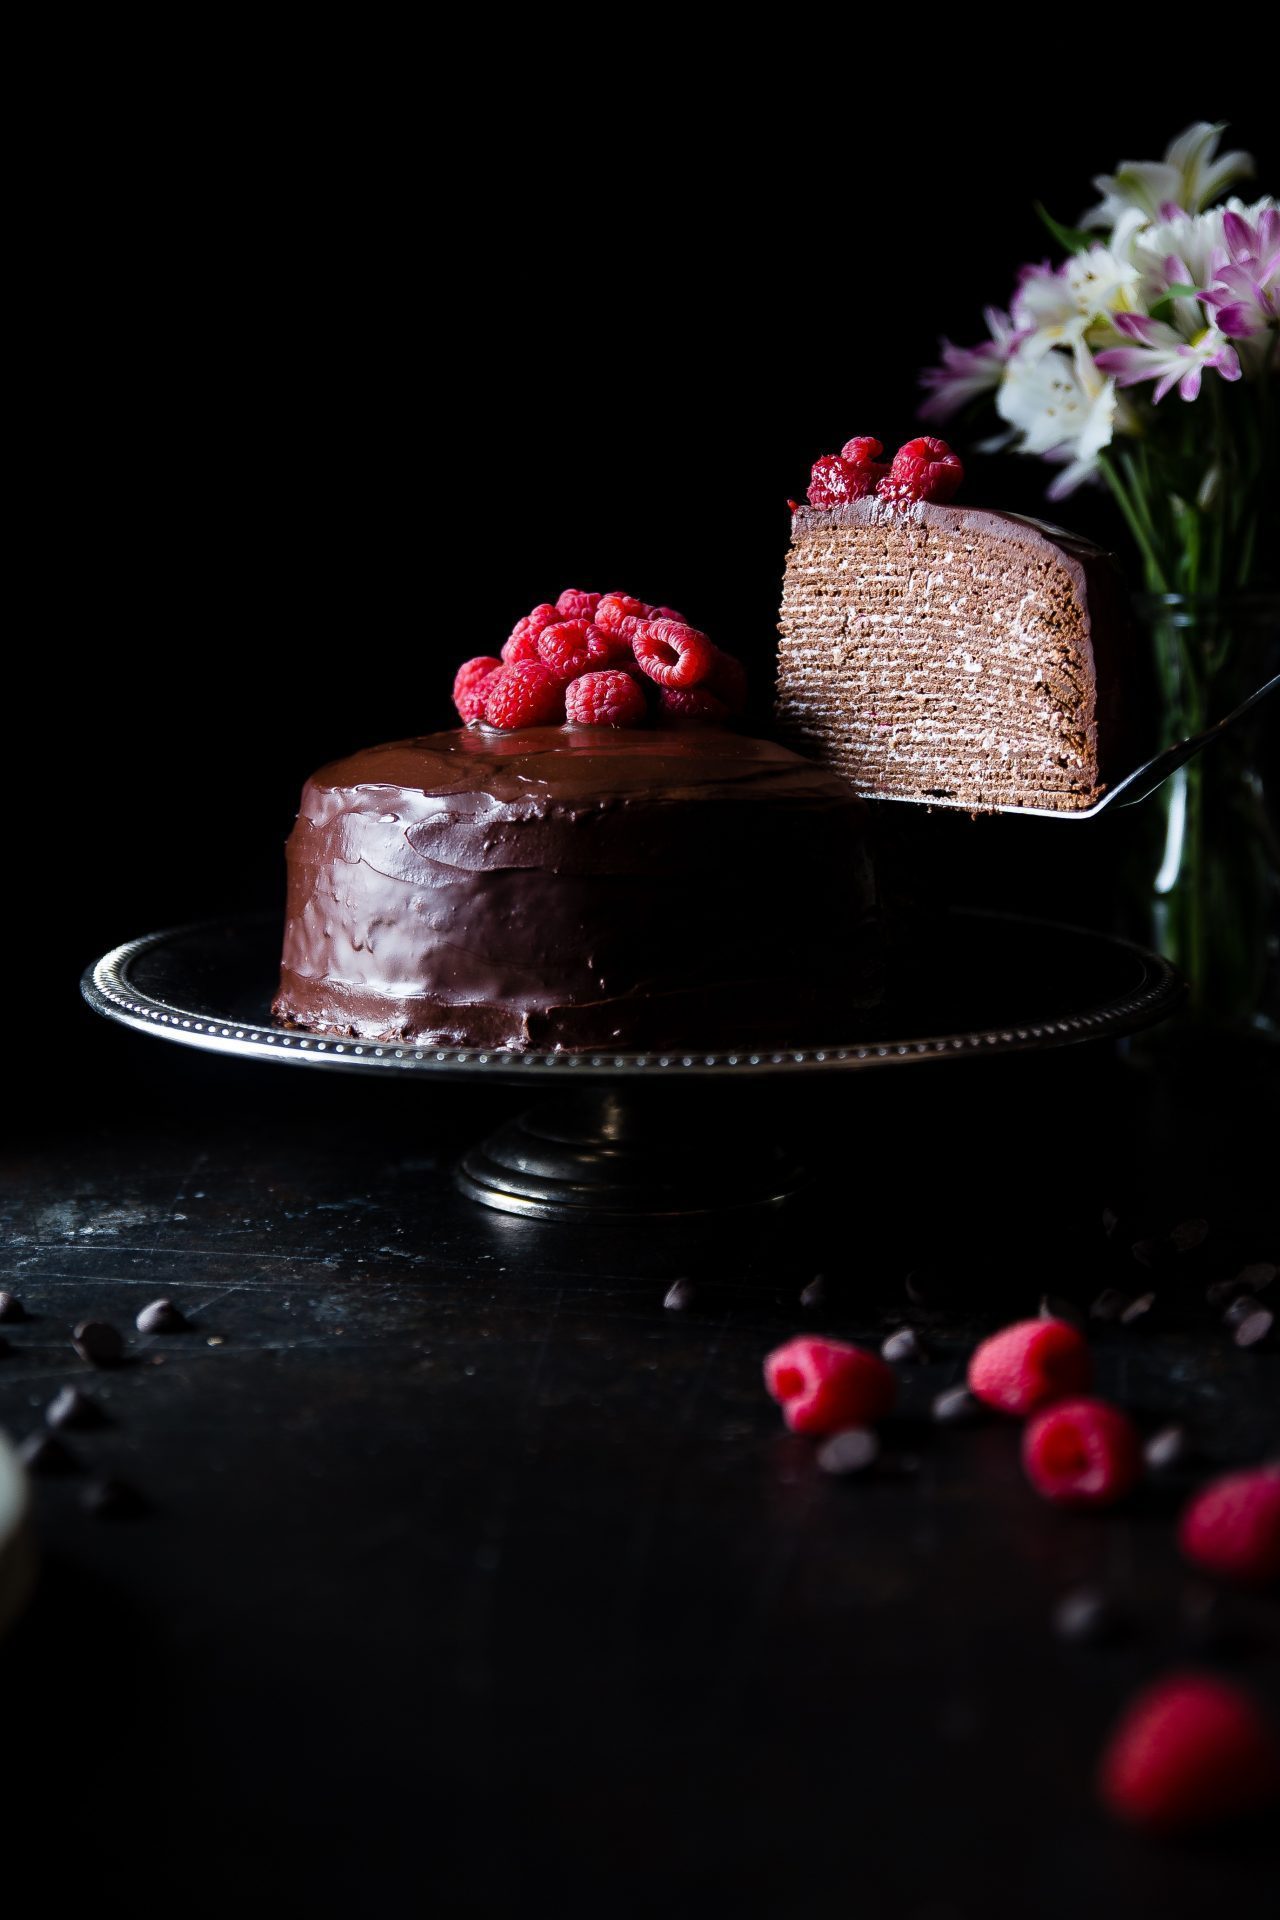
(1156, 579)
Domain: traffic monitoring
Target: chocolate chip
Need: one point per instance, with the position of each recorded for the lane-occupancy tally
(815, 1294)
(1166, 1449)
(71, 1408)
(1255, 1328)
(679, 1296)
(1188, 1235)
(161, 1317)
(1109, 1305)
(1137, 1309)
(1254, 1278)
(98, 1343)
(1054, 1306)
(903, 1347)
(954, 1407)
(11, 1308)
(45, 1453)
(850, 1451)
(1238, 1312)
(1086, 1616)
(113, 1500)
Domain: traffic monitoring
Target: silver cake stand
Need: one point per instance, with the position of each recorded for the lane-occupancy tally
(631, 1135)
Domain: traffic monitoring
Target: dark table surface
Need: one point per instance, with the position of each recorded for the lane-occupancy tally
(475, 1578)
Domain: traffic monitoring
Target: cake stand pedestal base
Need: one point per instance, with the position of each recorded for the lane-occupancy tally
(603, 1154)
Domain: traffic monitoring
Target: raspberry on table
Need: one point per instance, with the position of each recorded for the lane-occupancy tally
(1029, 1365)
(1192, 1751)
(924, 469)
(607, 699)
(470, 682)
(524, 694)
(522, 642)
(572, 647)
(1082, 1453)
(672, 654)
(576, 604)
(824, 1385)
(1232, 1527)
(613, 608)
(696, 705)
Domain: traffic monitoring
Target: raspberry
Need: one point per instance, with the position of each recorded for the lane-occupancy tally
(572, 647)
(1030, 1364)
(727, 680)
(833, 479)
(1082, 1453)
(616, 607)
(524, 694)
(665, 613)
(824, 1385)
(1190, 1751)
(694, 704)
(1232, 1528)
(863, 451)
(605, 700)
(522, 643)
(672, 654)
(469, 685)
(575, 604)
(924, 469)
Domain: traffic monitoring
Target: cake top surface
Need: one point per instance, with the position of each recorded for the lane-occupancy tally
(555, 766)
(1014, 528)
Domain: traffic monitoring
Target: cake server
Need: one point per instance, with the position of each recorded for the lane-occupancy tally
(1135, 787)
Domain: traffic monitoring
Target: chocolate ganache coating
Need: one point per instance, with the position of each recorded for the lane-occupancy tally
(576, 888)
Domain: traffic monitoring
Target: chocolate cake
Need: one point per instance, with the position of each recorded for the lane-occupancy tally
(951, 655)
(578, 888)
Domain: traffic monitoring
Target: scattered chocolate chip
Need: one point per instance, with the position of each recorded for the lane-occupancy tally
(1137, 1309)
(1166, 1449)
(814, 1295)
(71, 1408)
(11, 1308)
(1110, 1221)
(1148, 1253)
(1109, 1305)
(1238, 1312)
(903, 1347)
(162, 1317)
(98, 1343)
(45, 1453)
(1054, 1306)
(954, 1407)
(1086, 1616)
(1188, 1235)
(849, 1451)
(1255, 1278)
(679, 1296)
(113, 1500)
(1255, 1328)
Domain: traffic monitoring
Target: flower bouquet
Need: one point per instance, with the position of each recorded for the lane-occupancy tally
(1146, 360)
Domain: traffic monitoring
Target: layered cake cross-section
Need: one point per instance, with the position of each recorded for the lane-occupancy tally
(952, 655)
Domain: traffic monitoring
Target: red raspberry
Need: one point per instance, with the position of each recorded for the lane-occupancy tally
(925, 469)
(1030, 1364)
(1082, 1453)
(863, 451)
(665, 613)
(572, 647)
(575, 604)
(823, 1385)
(605, 700)
(1232, 1528)
(696, 705)
(616, 607)
(522, 643)
(727, 680)
(833, 480)
(469, 684)
(1190, 1751)
(672, 654)
(525, 694)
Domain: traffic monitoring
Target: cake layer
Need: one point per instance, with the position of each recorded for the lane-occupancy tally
(950, 654)
(578, 889)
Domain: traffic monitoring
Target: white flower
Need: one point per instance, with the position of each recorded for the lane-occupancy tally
(1062, 407)
(1191, 175)
(1057, 306)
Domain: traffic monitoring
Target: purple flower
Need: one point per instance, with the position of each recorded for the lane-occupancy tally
(967, 372)
(1165, 357)
(1245, 294)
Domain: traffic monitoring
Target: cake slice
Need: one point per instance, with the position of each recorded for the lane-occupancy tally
(951, 655)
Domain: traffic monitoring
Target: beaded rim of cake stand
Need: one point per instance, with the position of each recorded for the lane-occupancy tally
(107, 988)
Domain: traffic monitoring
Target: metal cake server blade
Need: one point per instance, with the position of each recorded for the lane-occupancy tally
(1135, 787)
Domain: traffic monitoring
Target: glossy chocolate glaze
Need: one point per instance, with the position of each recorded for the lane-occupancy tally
(577, 889)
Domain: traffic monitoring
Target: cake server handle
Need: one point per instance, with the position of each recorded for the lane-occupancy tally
(1146, 778)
